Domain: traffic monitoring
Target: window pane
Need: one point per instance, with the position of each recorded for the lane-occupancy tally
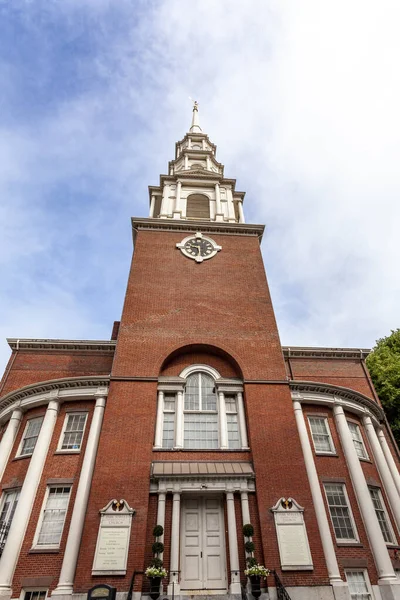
(192, 392)
(230, 404)
(357, 585)
(233, 431)
(168, 430)
(201, 430)
(74, 432)
(54, 516)
(208, 395)
(357, 439)
(37, 595)
(31, 435)
(320, 434)
(340, 513)
(381, 515)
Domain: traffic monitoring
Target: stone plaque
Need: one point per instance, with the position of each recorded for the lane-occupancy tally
(113, 539)
(294, 549)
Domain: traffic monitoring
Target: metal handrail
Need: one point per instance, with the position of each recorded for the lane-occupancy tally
(281, 591)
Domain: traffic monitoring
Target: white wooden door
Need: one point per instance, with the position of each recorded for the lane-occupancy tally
(202, 544)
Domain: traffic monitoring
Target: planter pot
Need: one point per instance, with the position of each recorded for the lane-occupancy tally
(255, 581)
(155, 583)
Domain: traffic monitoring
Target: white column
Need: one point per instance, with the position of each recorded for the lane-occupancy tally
(174, 565)
(231, 208)
(186, 164)
(378, 545)
(179, 420)
(178, 210)
(242, 421)
(222, 421)
(159, 422)
(208, 163)
(318, 501)
(389, 459)
(384, 471)
(161, 516)
(241, 213)
(233, 544)
(152, 203)
(164, 202)
(218, 209)
(67, 575)
(8, 439)
(28, 494)
(244, 498)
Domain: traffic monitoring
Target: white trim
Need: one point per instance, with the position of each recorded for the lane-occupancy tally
(19, 451)
(60, 449)
(44, 547)
(204, 368)
(356, 538)
(32, 589)
(328, 433)
(387, 517)
(366, 577)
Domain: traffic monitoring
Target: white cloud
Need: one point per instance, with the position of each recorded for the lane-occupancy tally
(302, 100)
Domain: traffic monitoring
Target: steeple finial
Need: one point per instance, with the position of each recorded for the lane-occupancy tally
(195, 127)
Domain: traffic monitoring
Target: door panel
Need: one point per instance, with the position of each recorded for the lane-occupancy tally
(202, 544)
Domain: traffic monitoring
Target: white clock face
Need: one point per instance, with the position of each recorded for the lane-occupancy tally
(198, 247)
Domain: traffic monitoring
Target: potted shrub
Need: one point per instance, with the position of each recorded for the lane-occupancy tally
(255, 572)
(156, 572)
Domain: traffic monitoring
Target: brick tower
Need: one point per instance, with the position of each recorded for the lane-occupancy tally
(194, 418)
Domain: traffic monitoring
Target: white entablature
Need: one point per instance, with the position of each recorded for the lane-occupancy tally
(195, 187)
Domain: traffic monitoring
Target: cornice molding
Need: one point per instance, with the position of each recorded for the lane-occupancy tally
(70, 345)
(302, 388)
(316, 352)
(183, 225)
(67, 388)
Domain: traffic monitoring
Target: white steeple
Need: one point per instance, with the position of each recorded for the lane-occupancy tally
(195, 187)
(195, 127)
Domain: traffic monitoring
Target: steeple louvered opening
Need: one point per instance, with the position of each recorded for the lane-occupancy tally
(198, 207)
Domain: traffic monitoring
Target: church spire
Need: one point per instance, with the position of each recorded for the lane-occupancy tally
(195, 127)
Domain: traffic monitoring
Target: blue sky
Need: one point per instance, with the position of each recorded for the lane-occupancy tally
(302, 101)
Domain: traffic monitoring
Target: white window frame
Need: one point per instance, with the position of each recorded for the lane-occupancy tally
(361, 440)
(356, 538)
(387, 517)
(21, 444)
(228, 387)
(32, 589)
(63, 431)
(366, 577)
(324, 418)
(35, 544)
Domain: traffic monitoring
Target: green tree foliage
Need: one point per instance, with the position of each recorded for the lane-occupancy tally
(384, 365)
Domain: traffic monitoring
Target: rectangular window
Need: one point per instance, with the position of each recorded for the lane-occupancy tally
(74, 426)
(8, 506)
(201, 430)
(321, 435)
(53, 516)
(232, 422)
(381, 514)
(30, 436)
(34, 595)
(339, 509)
(168, 440)
(358, 585)
(357, 439)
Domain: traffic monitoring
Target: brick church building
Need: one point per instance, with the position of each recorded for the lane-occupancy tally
(195, 418)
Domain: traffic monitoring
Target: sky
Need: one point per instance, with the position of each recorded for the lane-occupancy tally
(302, 100)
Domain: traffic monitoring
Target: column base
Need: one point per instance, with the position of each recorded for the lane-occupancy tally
(177, 589)
(177, 214)
(5, 592)
(63, 590)
(235, 588)
(389, 589)
(219, 217)
(340, 590)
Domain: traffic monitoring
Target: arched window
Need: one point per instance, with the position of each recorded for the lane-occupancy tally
(201, 412)
(197, 207)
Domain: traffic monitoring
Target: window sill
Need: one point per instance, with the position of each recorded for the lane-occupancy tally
(67, 451)
(349, 544)
(327, 454)
(366, 460)
(200, 449)
(44, 550)
(22, 457)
